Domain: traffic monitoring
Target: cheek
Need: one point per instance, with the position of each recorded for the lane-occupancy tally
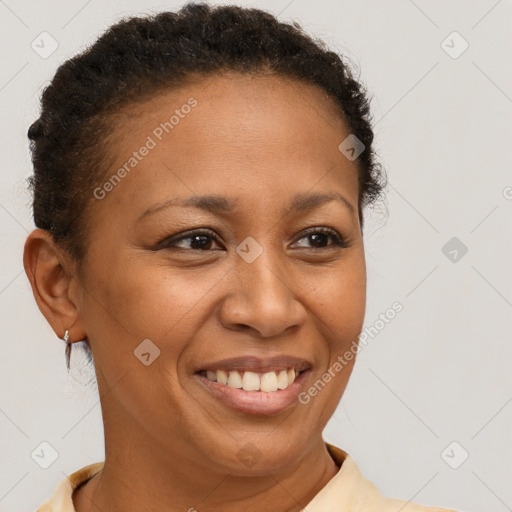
(339, 300)
(339, 303)
(136, 301)
(128, 306)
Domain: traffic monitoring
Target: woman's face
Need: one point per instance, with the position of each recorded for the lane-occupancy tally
(174, 285)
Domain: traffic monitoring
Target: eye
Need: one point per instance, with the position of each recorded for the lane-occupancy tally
(198, 240)
(319, 238)
(203, 240)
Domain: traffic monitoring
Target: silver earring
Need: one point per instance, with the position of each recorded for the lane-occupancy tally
(68, 348)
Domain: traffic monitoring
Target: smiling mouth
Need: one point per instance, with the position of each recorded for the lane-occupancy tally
(267, 382)
(255, 386)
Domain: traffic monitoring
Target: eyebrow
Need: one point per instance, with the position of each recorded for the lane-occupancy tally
(222, 205)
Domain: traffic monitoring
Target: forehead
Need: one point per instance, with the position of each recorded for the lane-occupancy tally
(237, 134)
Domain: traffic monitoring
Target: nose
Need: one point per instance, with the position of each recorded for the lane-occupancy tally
(262, 298)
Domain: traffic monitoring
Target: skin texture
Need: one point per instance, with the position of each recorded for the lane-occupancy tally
(170, 445)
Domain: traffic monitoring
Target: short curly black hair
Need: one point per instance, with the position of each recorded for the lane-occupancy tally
(140, 56)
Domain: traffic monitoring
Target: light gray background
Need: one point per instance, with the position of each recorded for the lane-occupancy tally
(440, 371)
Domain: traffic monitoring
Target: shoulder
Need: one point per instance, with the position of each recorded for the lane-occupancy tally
(62, 498)
(349, 490)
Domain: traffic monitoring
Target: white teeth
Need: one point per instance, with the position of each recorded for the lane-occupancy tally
(268, 382)
(282, 379)
(234, 380)
(251, 381)
(222, 377)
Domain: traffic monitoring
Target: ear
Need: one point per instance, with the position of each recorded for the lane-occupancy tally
(51, 274)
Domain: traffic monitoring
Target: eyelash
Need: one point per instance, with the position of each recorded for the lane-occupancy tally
(338, 240)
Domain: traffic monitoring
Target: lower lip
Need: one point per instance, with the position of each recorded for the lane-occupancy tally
(256, 402)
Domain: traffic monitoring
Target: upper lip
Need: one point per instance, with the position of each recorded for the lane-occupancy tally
(256, 364)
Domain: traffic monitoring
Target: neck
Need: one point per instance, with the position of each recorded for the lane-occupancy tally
(144, 477)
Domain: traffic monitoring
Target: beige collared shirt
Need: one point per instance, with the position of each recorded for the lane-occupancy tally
(347, 491)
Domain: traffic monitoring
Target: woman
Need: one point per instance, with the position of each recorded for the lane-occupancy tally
(199, 185)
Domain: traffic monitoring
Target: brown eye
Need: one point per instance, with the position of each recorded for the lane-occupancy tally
(199, 240)
(318, 238)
